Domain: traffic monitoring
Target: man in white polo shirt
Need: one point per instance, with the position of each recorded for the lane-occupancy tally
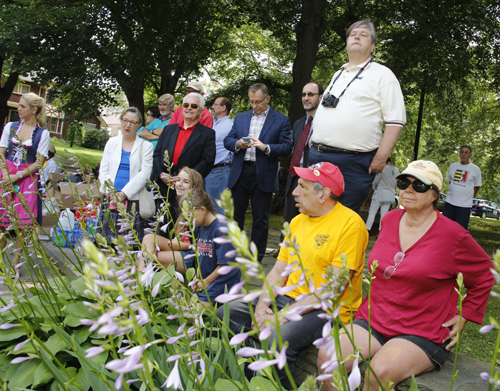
(362, 99)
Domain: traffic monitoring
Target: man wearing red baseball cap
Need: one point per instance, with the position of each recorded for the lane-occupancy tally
(324, 230)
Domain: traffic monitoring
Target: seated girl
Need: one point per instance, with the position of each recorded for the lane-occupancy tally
(211, 255)
(153, 243)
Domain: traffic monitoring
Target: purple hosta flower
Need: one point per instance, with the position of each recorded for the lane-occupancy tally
(20, 345)
(485, 376)
(94, 351)
(106, 284)
(8, 307)
(156, 288)
(22, 359)
(354, 379)
(265, 333)
(142, 317)
(487, 328)
(231, 254)
(149, 273)
(179, 276)
(252, 296)
(128, 364)
(220, 240)
(225, 270)
(494, 294)
(7, 326)
(174, 378)
(284, 290)
(262, 364)
(226, 297)
(250, 352)
(238, 338)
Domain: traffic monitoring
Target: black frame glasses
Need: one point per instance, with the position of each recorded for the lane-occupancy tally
(417, 185)
(309, 94)
(126, 121)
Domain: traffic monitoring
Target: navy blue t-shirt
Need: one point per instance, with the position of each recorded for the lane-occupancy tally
(212, 255)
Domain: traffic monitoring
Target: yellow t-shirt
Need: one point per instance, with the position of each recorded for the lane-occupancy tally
(322, 240)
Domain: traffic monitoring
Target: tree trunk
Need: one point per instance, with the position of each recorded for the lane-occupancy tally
(6, 91)
(135, 94)
(309, 30)
(419, 123)
(167, 82)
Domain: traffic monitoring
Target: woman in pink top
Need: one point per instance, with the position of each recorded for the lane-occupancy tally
(413, 309)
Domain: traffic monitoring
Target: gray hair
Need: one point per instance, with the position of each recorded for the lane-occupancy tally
(368, 24)
(195, 95)
(167, 97)
(318, 187)
(133, 110)
(259, 86)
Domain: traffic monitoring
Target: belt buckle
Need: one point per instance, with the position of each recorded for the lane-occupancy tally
(320, 147)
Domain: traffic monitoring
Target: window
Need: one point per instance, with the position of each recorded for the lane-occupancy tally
(13, 116)
(89, 126)
(54, 125)
(22, 89)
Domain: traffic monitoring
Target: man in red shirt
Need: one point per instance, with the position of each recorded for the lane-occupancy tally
(206, 117)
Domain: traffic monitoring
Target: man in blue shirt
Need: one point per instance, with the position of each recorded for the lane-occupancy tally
(216, 181)
(153, 130)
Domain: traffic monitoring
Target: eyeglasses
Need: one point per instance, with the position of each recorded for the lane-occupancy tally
(257, 102)
(418, 186)
(398, 258)
(309, 94)
(193, 105)
(149, 115)
(126, 121)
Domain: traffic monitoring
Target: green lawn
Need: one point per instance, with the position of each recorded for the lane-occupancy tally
(85, 156)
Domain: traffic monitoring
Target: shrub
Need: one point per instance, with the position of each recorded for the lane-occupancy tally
(95, 139)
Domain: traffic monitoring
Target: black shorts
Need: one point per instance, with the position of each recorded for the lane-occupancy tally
(436, 353)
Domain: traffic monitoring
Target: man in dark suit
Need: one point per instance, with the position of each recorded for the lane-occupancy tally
(188, 144)
(312, 94)
(258, 138)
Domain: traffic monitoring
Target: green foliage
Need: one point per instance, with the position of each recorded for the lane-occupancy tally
(95, 139)
(75, 133)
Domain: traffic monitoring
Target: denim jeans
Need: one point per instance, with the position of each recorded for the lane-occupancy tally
(299, 335)
(216, 183)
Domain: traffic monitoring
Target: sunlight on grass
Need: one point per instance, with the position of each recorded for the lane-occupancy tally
(86, 157)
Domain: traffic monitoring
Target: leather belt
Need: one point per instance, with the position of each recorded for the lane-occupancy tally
(328, 149)
(223, 165)
(249, 162)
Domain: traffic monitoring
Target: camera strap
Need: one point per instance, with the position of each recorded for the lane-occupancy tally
(354, 78)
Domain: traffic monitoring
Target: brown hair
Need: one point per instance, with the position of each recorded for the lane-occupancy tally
(195, 178)
(196, 199)
(133, 110)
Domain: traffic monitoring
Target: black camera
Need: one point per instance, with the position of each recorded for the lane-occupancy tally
(330, 100)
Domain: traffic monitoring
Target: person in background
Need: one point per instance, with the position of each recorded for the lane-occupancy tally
(360, 117)
(383, 188)
(311, 96)
(153, 130)
(216, 181)
(205, 117)
(49, 166)
(126, 163)
(152, 113)
(412, 307)
(258, 138)
(188, 144)
(465, 181)
(20, 143)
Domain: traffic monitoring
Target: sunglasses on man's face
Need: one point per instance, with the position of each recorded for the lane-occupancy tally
(193, 105)
(418, 186)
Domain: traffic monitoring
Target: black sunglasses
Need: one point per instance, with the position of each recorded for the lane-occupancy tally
(417, 185)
